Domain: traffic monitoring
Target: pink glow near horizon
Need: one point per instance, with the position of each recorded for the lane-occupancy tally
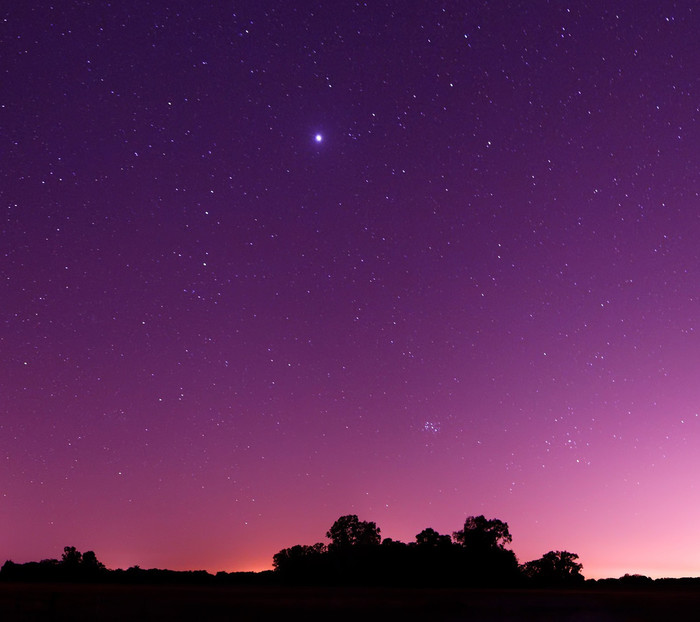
(476, 293)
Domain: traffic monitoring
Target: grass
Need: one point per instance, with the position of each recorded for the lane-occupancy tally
(56, 602)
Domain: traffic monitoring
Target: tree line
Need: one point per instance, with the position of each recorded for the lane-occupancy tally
(77, 567)
(476, 555)
(73, 566)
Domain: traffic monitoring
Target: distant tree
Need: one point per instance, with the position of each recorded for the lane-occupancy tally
(430, 537)
(393, 545)
(77, 566)
(554, 568)
(299, 559)
(635, 580)
(480, 533)
(71, 557)
(9, 570)
(90, 566)
(434, 560)
(349, 531)
(485, 560)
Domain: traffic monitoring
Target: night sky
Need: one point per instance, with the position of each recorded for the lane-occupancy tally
(263, 264)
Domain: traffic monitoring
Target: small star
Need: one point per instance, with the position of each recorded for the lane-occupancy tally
(318, 138)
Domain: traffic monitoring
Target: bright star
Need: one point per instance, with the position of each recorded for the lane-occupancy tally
(318, 138)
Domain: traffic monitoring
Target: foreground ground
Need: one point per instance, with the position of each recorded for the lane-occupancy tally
(242, 604)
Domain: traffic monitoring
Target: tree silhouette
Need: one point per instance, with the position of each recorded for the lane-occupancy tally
(90, 563)
(349, 531)
(430, 537)
(481, 533)
(300, 560)
(71, 557)
(554, 568)
(486, 561)
(477, 557)
(75, 565)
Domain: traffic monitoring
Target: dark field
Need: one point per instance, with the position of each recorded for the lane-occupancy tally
(119, 602)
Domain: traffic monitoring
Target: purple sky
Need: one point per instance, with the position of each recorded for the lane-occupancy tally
(263, 264)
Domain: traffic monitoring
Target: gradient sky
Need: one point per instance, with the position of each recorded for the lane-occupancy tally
(263, 264)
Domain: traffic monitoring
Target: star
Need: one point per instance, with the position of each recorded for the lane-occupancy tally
(318, 138)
